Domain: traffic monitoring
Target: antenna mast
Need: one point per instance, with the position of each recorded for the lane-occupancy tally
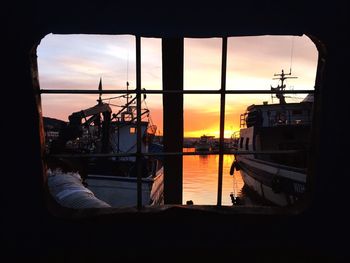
(100, 91)
(127, 95)
(127, 80)
(280, 88)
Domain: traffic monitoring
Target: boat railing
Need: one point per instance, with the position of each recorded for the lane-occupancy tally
(249, 119)
(235, 139)
(290, 122)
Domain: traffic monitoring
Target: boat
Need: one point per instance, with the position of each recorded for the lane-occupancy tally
(204, 143)
(266, 130)
(106, 143)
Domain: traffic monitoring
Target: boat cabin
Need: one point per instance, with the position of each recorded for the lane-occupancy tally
(124, 137)
(277, 127)
(269, 115)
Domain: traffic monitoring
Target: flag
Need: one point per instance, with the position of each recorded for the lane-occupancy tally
(100, 89)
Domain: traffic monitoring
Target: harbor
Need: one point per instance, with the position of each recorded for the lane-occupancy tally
(217, 147)
(200, 173)
(277, 178)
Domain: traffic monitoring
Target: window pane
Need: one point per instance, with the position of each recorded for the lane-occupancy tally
(252, 61)
(151, 63)
(202, 64)
(152, 106)
(79, 61)
(201, 179)
(201, 131)
(201, 115)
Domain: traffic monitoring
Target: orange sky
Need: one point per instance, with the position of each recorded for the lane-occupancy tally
(78, 62)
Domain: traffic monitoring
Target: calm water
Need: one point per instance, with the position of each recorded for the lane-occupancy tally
(201, 179)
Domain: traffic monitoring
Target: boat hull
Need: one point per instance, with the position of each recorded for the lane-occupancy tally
(203, 148)
(278, 184)
(119, 191)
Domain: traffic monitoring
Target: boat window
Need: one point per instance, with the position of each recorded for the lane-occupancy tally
(241, 142)
(247, 144)
(97, 90)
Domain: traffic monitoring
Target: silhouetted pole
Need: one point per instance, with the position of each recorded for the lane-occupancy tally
(222, 118)
(172, 61)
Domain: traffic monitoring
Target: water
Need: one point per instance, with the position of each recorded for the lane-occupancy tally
(200, 182)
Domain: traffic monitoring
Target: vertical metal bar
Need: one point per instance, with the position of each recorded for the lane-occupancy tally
(222, 118)
(138, 122)
(172, 64)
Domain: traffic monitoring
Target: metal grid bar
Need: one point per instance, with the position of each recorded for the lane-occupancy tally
(224, 152)
(222, 119)
(71, 91)
(138, 122)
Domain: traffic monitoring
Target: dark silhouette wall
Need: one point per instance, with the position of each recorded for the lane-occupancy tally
(30, 229)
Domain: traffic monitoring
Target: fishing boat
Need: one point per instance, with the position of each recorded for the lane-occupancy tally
(204, 143)
(105, 144)
(274, 140)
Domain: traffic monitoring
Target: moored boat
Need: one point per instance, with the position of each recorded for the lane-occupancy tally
(273, 141)
(105, 143)
(204, 143)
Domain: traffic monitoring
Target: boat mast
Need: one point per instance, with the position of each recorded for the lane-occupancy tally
(100, 91)
(280, 88)
(127, 83)
(128, 110)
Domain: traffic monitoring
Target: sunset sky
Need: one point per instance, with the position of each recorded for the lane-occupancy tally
(78, 62)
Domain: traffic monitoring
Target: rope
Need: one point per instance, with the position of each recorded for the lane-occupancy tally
(149, 115)
(111, 98)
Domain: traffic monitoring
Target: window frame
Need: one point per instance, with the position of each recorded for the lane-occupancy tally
(222, 92)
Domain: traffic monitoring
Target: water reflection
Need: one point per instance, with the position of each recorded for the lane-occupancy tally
(201, 179)
(203, 159)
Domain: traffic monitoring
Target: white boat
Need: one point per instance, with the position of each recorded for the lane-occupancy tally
(204, 143)
(97, 131)
(279, 178)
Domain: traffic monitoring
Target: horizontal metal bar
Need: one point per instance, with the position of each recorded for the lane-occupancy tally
(85, 91)
(93, 155)
(71, 91)
(225, 152)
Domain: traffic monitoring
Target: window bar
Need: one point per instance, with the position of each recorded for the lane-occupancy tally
(222, 118)
(225, 152)
(121, 91)
(172, 78)
(138, 122)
